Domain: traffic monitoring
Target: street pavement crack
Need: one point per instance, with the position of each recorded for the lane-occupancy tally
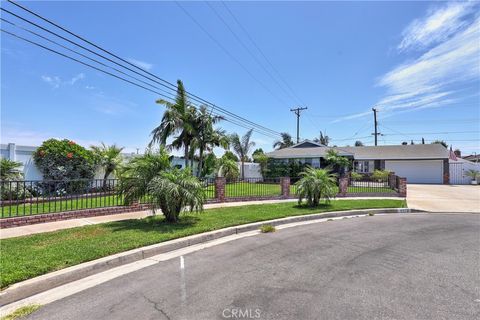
(156, 306)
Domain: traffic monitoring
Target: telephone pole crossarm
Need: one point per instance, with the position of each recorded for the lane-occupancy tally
(297, 113)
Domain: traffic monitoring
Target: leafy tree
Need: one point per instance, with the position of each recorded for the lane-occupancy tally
(139, 171)
(9, 170)
(109, 157)
(174, 190)
(285, 142)
(423, 140)
(209, 164)
(206, 136)
(242, 147)
(257, 152)
(404, 143)
(323, 139)
(359, 143)
(338, 163)
(443, 143)
(230, 155)
(262, 159)
(227, 168)
(315, 185)
(179, 121)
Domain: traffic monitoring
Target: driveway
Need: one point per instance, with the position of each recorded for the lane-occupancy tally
(443, 198)
(402, 266)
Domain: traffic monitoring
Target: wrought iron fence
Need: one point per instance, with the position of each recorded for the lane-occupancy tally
(252, 188)
(368, 184)
(208, 187)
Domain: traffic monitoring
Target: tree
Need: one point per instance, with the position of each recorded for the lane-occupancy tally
(9, 170)
(230, 155)
(109, 158)
(139, 171)
(257, 152)
(443, 143)
(404, 143)
(285, 142)
(227, 168)
(242, 147)
(173, 190)
(423, 140)
(323, 139)
(359, 143)
(206, 136)
(315, 185)
(178, 119)
(209, 164)
(262, 159)
(338, 163)
(411, 142)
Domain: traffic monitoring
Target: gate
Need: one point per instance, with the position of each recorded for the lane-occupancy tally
(458, 170)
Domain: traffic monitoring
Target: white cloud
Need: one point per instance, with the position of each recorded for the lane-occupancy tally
(56, 82)
(437, 26)
(142, 64)
(433, 79)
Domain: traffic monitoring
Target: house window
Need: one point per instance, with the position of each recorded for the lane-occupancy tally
(308, 161)
(362, 166)
(316, 162)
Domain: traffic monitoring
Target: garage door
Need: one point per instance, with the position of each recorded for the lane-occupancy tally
(417, 171)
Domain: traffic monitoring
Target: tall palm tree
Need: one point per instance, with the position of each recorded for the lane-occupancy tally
(178, 119)
(285, 142)
(207, 137)
(242, 147)
(109, 157)
(323, 139)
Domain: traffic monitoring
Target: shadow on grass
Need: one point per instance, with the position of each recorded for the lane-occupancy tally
(154, 224)
(304, 206)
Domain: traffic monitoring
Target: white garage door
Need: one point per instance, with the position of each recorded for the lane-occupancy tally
(417, 171)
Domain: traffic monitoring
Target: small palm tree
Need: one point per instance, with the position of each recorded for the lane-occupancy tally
(242, 147)
(139, 171)
(338, 163)
(9, 170)
(315, 185)
(472, 174)
(109, 158)
(285, 142)
(172, 191)
(227, 168)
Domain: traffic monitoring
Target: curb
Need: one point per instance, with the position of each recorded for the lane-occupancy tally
(54, 279)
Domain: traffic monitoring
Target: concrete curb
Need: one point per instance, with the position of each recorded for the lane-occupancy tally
(51, 280)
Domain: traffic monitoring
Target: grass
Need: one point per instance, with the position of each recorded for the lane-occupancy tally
(34, 255)
(21, 312)
(266, 228)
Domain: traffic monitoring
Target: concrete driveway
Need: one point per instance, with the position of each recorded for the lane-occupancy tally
(398, 266)
(444, 198)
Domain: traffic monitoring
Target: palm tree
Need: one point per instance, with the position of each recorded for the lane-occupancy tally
(359, 143)
(285, 142)
(242, 147)
(139, 171)
(323, 139)
(9, 170)
(109, 158)
(207, 137)
(178, 119)
(172, 191)
(338, 163)
(315, 185)
(227, 168)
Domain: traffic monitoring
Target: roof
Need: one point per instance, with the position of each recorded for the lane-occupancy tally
(395, 152)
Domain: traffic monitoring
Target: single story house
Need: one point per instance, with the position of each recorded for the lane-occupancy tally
(419, 163)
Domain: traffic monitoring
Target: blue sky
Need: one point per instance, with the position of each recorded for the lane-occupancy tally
(418, 62)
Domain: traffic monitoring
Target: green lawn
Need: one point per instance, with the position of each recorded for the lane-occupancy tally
(29, 256)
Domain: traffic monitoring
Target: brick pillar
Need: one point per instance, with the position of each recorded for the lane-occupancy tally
(343, 185)
(285, 186)
(220, 183)
(402, 187)
(446, 172)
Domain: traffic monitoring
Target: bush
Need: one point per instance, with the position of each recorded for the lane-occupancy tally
(266, 228)
(316, 184)
(172, 191)
(380, 175)
(355, 176)
(64, 160)
(227, 168)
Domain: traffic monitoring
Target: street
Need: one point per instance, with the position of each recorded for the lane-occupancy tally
(399, 266)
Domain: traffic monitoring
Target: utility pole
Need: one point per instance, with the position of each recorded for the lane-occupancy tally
(376, 134)
(297, 113)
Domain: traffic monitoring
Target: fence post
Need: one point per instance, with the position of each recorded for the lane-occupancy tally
(220, 183)
(285, 186)
(343, 186)
(402, 187)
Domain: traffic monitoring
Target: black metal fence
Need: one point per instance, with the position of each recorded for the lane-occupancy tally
(252, 188)
(368, 184)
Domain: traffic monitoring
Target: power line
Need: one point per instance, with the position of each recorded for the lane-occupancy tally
(163, 82)
(440, 132)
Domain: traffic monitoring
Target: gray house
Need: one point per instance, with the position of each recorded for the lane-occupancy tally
(420, 163)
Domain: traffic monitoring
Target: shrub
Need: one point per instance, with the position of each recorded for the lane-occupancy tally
(316, 184)
(380, 175)
(9, 170)
(472, 174)
(355, 176)
(227, 168)
(172, 191)
(10, 188)
(64, 160)
(266, 228)
(139, 171)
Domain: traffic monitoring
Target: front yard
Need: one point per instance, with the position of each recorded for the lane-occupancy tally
(26, 257)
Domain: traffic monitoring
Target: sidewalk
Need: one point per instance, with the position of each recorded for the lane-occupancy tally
(72, 223)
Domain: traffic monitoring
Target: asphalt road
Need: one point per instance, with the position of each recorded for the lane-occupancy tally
(415, 266)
